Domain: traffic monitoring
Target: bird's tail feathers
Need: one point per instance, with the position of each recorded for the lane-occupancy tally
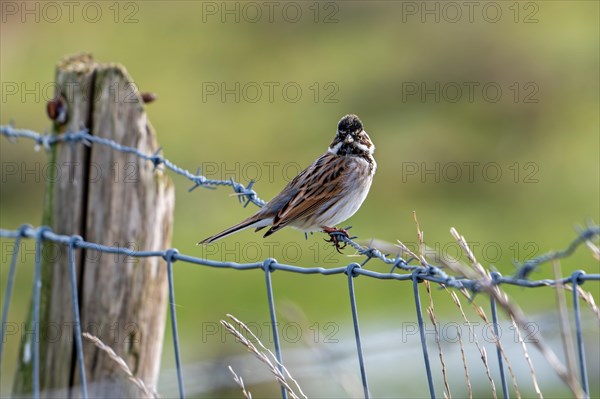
(251, 222)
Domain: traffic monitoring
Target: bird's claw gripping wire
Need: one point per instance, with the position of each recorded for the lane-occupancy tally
(337, 236)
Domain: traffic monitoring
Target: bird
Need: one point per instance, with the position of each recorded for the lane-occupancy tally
(323, 195)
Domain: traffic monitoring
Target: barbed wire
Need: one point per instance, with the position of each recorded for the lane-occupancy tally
(83, 136)
(529, 266)
(417, 273)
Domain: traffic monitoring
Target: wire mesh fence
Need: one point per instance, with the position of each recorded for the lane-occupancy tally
(414, 269)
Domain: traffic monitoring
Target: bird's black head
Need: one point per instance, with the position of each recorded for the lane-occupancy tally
(349, 124)
(351, 138)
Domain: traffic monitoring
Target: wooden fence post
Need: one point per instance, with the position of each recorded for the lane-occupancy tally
(111, 198)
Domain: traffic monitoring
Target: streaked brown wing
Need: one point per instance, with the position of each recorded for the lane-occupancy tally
(317, 184)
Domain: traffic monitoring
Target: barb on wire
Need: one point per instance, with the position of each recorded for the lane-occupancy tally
(529, 266)
(83, 136)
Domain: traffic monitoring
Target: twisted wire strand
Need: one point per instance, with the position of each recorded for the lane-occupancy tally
(421, 272)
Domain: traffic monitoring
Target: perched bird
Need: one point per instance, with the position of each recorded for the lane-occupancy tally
(326, 193)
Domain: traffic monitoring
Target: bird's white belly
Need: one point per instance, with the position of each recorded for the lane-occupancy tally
(346, 205)
(343, 210)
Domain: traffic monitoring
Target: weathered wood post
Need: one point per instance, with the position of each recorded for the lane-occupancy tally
(111, 198)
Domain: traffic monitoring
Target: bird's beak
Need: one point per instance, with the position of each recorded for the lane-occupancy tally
(349, 139)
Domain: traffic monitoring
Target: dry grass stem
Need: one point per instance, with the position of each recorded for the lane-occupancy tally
(481, 349)
(486, 283)
(267, 357)
(431, 255)
(461, 344)
(431, 313)
(529, 363)
(563, 316)
(481, 313)
(404, 248)
(349, 382)
(500, 347)
(238, 380)
(594, 248)
(420, 238)
(122, 365)
(587, 298)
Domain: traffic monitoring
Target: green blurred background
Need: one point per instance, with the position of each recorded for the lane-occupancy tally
(406, 68)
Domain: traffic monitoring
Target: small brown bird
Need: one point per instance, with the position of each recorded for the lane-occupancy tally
(326, 193)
